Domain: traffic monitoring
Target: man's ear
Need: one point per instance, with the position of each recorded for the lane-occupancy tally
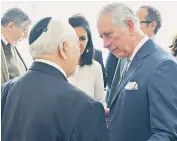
(63, 50)
(11, 25)
(130, 26)
(153, 25)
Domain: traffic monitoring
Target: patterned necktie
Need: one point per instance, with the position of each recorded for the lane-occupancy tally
(125, 63)
(8, 45)
(124, 68)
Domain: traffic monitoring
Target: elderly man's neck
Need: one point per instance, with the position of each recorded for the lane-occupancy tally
(152, 37)
(52, 58)
(138, 37)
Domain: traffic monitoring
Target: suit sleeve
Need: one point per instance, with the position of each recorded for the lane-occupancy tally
(162, 92)
(91, 125)
(5, 88)
(99, 85)
(110, 68)
(4, 93)
(111, 64)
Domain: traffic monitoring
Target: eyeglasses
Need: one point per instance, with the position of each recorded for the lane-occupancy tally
(148, 22)
(23, 28)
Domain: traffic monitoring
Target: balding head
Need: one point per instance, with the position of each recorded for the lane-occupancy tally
(150, 20)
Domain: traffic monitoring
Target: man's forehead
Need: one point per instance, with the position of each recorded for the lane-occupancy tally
(142, 13)
(105, 19)
(105, 23)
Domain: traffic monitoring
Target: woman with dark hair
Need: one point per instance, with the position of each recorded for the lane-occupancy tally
(89, 75)
(173, 47)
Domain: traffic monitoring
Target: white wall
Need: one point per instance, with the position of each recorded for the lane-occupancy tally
(62, 10)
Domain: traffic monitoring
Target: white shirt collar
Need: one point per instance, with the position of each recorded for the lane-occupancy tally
(4, 40)
(52, 64)
(139, 45)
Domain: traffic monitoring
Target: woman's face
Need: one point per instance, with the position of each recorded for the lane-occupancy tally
(83, 38)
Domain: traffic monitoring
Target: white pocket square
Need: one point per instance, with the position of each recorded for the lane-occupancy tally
(131, 86)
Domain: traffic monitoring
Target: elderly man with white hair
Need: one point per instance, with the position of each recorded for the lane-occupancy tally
(41, 105)
(14, 28)
(143, 106)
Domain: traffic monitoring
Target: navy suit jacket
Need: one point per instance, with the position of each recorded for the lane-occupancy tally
(150, 112)
(110, 67)
(43, 106)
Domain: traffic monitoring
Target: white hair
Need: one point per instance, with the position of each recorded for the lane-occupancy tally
(49, 41)
(120, 13)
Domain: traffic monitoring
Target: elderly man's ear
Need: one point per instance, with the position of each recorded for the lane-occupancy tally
(130, 26)
(63, 50)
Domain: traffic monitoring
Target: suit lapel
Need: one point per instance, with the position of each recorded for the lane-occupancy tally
(114, 83)
(136, 63)
(21, 58)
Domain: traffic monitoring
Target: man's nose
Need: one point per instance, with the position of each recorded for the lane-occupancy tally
(106, 43)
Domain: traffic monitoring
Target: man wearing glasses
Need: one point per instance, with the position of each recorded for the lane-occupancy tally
(14, 28)
(150, 20)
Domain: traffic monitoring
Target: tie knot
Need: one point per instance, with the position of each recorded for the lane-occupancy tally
(125, 61)
(8, 45)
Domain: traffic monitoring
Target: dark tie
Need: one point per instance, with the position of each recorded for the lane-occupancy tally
(8, 45)
(125, 64)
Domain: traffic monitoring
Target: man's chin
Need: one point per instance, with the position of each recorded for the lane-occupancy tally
(120, 56)
(117, 55)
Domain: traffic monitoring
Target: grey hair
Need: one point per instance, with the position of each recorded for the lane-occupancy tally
(120, 13)
(15, 15)
(49, 42)
(153, 15)
(49, 48)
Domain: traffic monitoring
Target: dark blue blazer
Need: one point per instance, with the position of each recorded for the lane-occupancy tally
(110, 67)
(43, 106)
(148, 113)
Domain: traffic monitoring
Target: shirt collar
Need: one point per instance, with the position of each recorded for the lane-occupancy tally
(52, 64)
(139, 45)
(4, 40)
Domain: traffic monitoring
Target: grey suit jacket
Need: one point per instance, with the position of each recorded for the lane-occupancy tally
(148, 113)
(4, 68)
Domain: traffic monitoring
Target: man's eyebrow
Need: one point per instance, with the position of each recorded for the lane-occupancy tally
(108, 32)
(105, 33)
(83, 36)
(101, 36)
